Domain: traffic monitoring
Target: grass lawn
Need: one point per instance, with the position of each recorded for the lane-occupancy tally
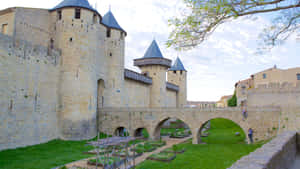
(44, 156)
(165, 131)
(223, 148)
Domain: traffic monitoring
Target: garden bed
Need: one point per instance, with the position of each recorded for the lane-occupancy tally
(122, 153)
(162, 156)
(170, 150)
(112, 162)
(157, 143)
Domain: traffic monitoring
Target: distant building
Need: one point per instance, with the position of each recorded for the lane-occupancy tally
(201, 104)
(223, 101)
(266, 77)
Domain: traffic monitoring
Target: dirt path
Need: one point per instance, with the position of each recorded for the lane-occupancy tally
(169, 143)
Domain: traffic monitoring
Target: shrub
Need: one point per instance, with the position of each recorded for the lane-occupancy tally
(232, 102)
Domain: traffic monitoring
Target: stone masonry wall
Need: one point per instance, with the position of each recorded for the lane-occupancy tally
(285, 95)
(136, 94)
(33, 25)
(279, 153)
(7, 17)
(171, 98)
(28, 93)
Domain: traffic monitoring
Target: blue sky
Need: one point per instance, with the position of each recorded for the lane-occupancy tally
(213, 67)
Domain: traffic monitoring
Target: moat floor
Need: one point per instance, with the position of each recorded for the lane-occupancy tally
(170, 143)
(296, 164)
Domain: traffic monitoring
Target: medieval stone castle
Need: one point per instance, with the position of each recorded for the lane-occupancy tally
(58, 67)
(62, 76)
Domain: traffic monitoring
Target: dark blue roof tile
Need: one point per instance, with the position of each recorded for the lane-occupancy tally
(153, 51)
(177, 65)
(110, 21)
(75, 3)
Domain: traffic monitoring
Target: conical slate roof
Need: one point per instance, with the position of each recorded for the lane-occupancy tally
(110, 21)
(153, 51)
(74, 3)
(177, 65)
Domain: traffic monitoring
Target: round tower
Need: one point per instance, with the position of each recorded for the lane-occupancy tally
(115, 54)
(154, 65)
(76, 32)
(177, 75)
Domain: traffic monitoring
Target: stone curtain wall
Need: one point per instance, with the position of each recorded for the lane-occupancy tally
(136, 94)
(286, 96)
(28, 93)
(171, 98)
(264, 120)
(279, 153)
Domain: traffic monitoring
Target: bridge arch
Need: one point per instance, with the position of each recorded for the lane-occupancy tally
(138, 132)
(155, 133)
(198, 134)
(121, 131)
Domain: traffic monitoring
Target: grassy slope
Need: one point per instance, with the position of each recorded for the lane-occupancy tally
(43, 156)
(222, 150)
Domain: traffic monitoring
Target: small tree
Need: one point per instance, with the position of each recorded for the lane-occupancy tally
(232, 102)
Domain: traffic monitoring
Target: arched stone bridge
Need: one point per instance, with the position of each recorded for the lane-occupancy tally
(264, 120)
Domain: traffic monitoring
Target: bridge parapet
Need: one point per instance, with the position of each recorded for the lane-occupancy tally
(194, 109)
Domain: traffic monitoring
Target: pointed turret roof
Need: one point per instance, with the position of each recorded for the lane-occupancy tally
(110, 21)
(74, 3)
(153, 51)
(177, 65)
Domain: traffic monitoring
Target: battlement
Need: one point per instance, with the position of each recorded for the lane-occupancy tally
(27, 51)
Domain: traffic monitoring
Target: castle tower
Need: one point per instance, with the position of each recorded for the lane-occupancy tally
(154, 65)
(177, 75)
(115, 52)
(76, 31)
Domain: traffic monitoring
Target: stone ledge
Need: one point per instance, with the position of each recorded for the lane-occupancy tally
(279, 153)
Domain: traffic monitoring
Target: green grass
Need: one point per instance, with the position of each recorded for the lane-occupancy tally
(162, 155)
(43, 156)
(223, 148)
(165, 131)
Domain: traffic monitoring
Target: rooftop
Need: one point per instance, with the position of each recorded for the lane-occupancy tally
(177, 65)
(153, 51)
(110, 21)
(74, 3)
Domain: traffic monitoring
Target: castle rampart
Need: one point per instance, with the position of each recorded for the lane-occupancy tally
(28, 93)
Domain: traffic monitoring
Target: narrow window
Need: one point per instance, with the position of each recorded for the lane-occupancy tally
(77, 13)
(59, 15)
(51, 43)
(181, 72)
(174, 71)
(264, 76)
(298, 76)
(110, 54)
(95, 18)
(4, 28)
(108, 33)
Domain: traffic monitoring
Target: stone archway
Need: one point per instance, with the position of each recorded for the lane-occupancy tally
(140, 132)
(204, 125)
(155, 134)
(121, 131)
